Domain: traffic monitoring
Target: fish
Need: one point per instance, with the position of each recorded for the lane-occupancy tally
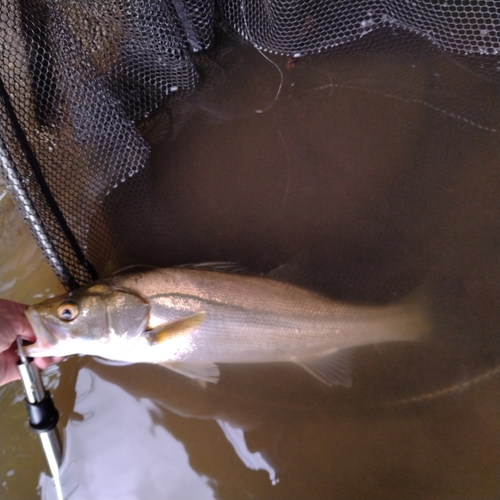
(190, 319)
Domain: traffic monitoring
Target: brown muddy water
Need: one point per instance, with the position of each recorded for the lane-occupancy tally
(382, 169)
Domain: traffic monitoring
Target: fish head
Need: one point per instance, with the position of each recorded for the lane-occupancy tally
(88, 320)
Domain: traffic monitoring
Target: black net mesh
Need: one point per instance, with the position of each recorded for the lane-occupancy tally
(302, 28)
(87, 87)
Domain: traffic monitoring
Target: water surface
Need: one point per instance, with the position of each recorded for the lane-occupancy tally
(381, 168)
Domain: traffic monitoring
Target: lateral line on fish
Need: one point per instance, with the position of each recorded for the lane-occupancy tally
(210, 302)
(192, 297)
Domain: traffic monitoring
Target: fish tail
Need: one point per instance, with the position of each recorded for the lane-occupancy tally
(411, 319)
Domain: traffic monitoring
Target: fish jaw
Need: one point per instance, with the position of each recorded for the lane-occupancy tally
(44, 339)
(51, 340)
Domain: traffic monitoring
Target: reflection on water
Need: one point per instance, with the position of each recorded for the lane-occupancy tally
(241, 434)
(252, 460)
(383, 169)
(119, 451)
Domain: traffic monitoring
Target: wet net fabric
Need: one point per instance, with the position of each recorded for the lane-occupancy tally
(85, 87)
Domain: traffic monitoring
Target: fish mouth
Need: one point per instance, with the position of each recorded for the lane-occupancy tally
(47, 336)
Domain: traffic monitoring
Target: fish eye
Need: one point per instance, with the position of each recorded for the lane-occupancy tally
(67, 311)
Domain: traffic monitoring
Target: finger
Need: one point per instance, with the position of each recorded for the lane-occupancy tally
(10, 306)
(13, 326)
(13, 323)
(43, 363)
(8, 365)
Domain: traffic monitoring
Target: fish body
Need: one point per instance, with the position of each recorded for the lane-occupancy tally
(190, 319)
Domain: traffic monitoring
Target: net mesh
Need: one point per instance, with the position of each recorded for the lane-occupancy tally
(290, 27)
(86, 87)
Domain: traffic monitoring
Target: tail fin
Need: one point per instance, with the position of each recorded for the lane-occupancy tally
(411, 319)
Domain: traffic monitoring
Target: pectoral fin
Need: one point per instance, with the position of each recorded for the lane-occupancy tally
(205, 372)
(181, 326)
(331, 369)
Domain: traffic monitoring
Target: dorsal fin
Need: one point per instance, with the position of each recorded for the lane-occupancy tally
(295, 271)
(134, 268)
(225, 267)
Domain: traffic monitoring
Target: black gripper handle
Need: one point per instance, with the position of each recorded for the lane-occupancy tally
(43, 416)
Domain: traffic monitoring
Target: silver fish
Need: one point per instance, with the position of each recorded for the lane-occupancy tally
(188, 319)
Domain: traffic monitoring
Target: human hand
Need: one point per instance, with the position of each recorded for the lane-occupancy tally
(13, 324)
